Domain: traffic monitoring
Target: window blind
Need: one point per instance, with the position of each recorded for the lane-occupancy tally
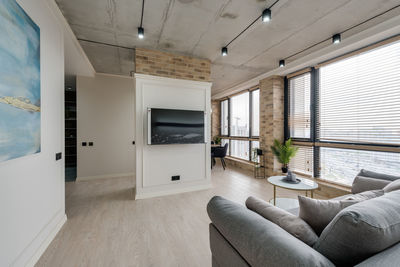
(299, 111)
(224, 117)
(360, 98)
(302, 163)
(342, 165)
(240, 115)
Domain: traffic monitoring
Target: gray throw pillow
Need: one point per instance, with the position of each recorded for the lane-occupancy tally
(378, 175)
(362, 230)
(362, 184)
(287, 221)
(365, 195)
(393, 186)
(319, 213)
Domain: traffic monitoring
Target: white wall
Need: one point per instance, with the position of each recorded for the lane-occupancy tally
(105, 116)
(155, 164)
(32, 188)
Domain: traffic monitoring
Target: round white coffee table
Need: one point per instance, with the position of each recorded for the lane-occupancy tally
(305, 185)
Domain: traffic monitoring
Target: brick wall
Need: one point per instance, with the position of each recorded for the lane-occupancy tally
(271, 119)
(215, 118)
(172, 66)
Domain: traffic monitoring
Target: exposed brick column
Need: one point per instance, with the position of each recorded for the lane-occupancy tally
(271, 119)
(215, 118)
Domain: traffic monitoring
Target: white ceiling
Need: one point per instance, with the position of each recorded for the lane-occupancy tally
(201, 27)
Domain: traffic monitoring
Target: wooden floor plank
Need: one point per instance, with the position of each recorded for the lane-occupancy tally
(107, 227)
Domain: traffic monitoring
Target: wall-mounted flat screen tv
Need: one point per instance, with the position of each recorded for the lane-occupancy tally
(173, 126)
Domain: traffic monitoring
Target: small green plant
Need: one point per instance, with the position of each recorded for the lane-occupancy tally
(284, 152)
(217, 140)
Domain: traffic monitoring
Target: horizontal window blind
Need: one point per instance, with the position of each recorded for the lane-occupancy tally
(224, 117)
(240, 149)
(342, 165)
(360, 98)
(299, 108)
(240, 115)
(255, 113)
(303, 161)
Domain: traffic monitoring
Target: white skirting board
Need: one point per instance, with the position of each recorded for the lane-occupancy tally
(116, 175)
(46, 235)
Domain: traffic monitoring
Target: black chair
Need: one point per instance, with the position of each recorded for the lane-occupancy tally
(219, 152)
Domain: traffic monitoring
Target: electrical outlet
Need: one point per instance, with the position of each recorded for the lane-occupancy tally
(175, 178)
(58, 156)
(84, 144)
(90, 143)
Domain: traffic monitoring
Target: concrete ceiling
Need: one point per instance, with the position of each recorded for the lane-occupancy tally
(201, 27)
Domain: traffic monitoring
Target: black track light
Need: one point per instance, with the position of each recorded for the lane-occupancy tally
(266, 15)
(336, 38)
(281, 63)
(224, 51)
(140, 33)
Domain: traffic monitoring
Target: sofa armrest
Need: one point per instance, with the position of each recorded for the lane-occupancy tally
(259, 241)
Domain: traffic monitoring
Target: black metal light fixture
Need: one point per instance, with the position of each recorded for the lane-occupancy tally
(336, 38)
(140, 32)
(266, 15)
(140, 29)
(281, 63)
(224, 51)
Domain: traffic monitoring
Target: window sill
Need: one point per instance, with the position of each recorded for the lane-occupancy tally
(240, 160)
(346, 188)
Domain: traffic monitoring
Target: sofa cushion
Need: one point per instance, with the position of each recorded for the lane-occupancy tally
(362, 184)
(289, 222)
(319, 213)
(362, 230)
(259, 241)
(393, 186)
(365, 195)
(377, 175)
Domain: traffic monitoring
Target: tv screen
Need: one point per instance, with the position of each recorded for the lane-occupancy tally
(172, 126)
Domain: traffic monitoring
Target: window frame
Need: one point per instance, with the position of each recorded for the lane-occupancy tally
(314, 139)
(248, 138)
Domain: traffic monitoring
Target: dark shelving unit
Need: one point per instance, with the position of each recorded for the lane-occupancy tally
(70, 134)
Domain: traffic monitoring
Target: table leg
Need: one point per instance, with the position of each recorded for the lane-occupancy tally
(306, 193)
(312, 193)
(274, 195)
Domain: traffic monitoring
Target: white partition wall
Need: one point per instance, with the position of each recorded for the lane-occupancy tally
(156, 164)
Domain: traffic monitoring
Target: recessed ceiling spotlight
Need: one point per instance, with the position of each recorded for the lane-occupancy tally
(281, 63)
(224, 51)
(140, 33)
(266, 15)
(336, 38)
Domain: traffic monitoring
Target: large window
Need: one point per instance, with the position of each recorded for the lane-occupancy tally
(239, 119)
(255, 115)
(355, 103)
(224, 117)
(241, 128)
(299, 112)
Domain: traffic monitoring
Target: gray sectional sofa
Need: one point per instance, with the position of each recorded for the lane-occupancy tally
(363, 234)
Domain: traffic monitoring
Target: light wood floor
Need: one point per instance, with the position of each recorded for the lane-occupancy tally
(106, 227)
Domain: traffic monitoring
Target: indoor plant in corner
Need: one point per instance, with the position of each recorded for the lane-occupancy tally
(284, 153)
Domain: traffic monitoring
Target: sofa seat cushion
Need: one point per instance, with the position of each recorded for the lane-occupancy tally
(289, 222)
(362, 230)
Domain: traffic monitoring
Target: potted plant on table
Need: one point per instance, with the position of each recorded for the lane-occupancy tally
(284, 153)
(217, 140)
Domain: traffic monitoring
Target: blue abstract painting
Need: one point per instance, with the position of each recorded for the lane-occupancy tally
(19, 82)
